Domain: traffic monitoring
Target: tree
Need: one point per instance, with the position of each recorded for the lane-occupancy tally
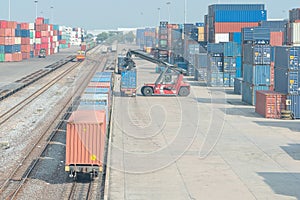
(102, 36)
(129, 37)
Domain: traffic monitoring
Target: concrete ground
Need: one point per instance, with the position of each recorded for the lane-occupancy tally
(12, 71)
(208, 145)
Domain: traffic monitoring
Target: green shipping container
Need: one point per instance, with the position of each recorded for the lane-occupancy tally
(2, 57)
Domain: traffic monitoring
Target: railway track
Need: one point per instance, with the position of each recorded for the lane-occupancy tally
(25, 81)
(15, 182)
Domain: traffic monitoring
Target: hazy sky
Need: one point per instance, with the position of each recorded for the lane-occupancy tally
(111, 14)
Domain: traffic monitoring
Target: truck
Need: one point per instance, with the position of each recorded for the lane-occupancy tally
(169, 82)
(42, 53)
(128, 83)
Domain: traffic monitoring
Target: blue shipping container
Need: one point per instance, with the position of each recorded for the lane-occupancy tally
(215, 64)
(2, 51)
(9, 49)
(215, 48)
(215, 79)
(238, 85)
(100, 99)
(203, 60)
(97, 91)
(275, 26)
(17, 32)
(240, 15)
(101, 79)
(229, 64)
(287, 57)
(232, 49)
(215, 7)
(257, 54)
(257, 74)
(228, 79)
(249, 92)
(256, 34)
(286, 81)
(237, 37)
(295, 105)
(25, 33)
(128, 79)
(238, 62)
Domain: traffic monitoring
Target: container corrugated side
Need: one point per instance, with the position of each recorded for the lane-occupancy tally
(95, 107)
(238, 62)
(85, 139)
(128, 79)
(238, 85)
(101, 99)
(215, 79)
(294, 105)
(215, 48)
(229, 27)
(232, 49)
(269, 104)
(221, 37)
(257, 74)
(203, 60)
(257, 54)
(229, 64)
(240, 15)
(249, 92)
(276, 38)
(296, 33)
(287, 57)
(287, 82)
(215, 64)
(214, 7)
(228, 79)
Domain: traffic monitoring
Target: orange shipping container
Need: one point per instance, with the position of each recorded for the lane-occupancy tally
(2, 40)
(276, 38)
(229, 27)
(25, 40)
(3, 24)
(8, 57)
(269, 103)
(99, 85)
(25, 48)
(85, 141)
(25, 26)
(9, 40)
(11, 24)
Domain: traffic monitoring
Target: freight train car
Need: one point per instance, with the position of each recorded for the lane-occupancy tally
(87, 128)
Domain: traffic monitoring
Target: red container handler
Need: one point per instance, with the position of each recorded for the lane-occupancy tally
(85, 141)
(269, 103)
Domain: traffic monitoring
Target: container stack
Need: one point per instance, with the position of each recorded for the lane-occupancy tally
(32, 39)
(64, 39)
(140, 38)
(25, 41)
(149, 38)
(293, 28)
(175, 43)
(226, 18)
(277, 31)
(215, 64)
(163, 53)
(232, 63)
(287, 76)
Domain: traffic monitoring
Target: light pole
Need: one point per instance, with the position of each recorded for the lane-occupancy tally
(52, 20)
(168, 4)
(8, 10)
(35, 8)
(185, 10)
(158, 15)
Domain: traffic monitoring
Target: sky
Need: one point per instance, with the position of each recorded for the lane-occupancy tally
(112, 14)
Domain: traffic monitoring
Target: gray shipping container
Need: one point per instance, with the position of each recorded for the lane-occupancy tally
(257, 54)
(238, 85)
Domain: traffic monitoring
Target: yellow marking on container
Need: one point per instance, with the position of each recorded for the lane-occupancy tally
(292, 82)
(84, 129)
(67, 168)
(93, 157)
(292, 57)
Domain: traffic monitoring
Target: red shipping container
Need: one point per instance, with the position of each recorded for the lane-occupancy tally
(8, 57)
(51, 51)
(62, 42)
(36, 52)
(38, 27)
(24, 26)
(272, 74)
(276, 38)
(25, 40)
(99, 85)
(51, 27)
(45, 27)
(269, 103)
(2, 32)
(85, 140)
(38, 34)
(54, 32)
(83, 47)
(38, 46)
(7, 32)
(39, 20)
(44, 46)
(25, 56)
(9, 41)
(25, 48)
(11, 24)
(229, 27)
(69, 45)
(44, 40)
(3, 24)
(2, 40)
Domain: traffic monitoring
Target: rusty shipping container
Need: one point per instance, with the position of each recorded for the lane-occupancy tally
(229, 27)
(85, 141)
(276, 38)
(269, 104)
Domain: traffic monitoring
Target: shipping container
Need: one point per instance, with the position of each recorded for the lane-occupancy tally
(228, 79)
(215, 63)
(269, 104)
(294, 105)
(257, 54)
(274, 25)
(240, 15)
(229, 64)
(238, 62)
(287, 57)
(215, 48)
(99, 85)
(287, 81)
(295, 33)
(215, 79)
(238, 85)
(294, 14)
(203, 60)
(215, 7)
(232, 49)
(85, 141)
(221, 37)
(256, 34)
(276, 38)
(249, 92)
(98, 99)
(128, 83)
(257, 74)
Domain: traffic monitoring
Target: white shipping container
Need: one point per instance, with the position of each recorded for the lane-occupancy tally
(295, 33)
(17, 40)
(55, 38)
(56, 50)
(51, 33)
(31, 26)
(221, 37)
(32, 41)
(49, 52)
(38, 40)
